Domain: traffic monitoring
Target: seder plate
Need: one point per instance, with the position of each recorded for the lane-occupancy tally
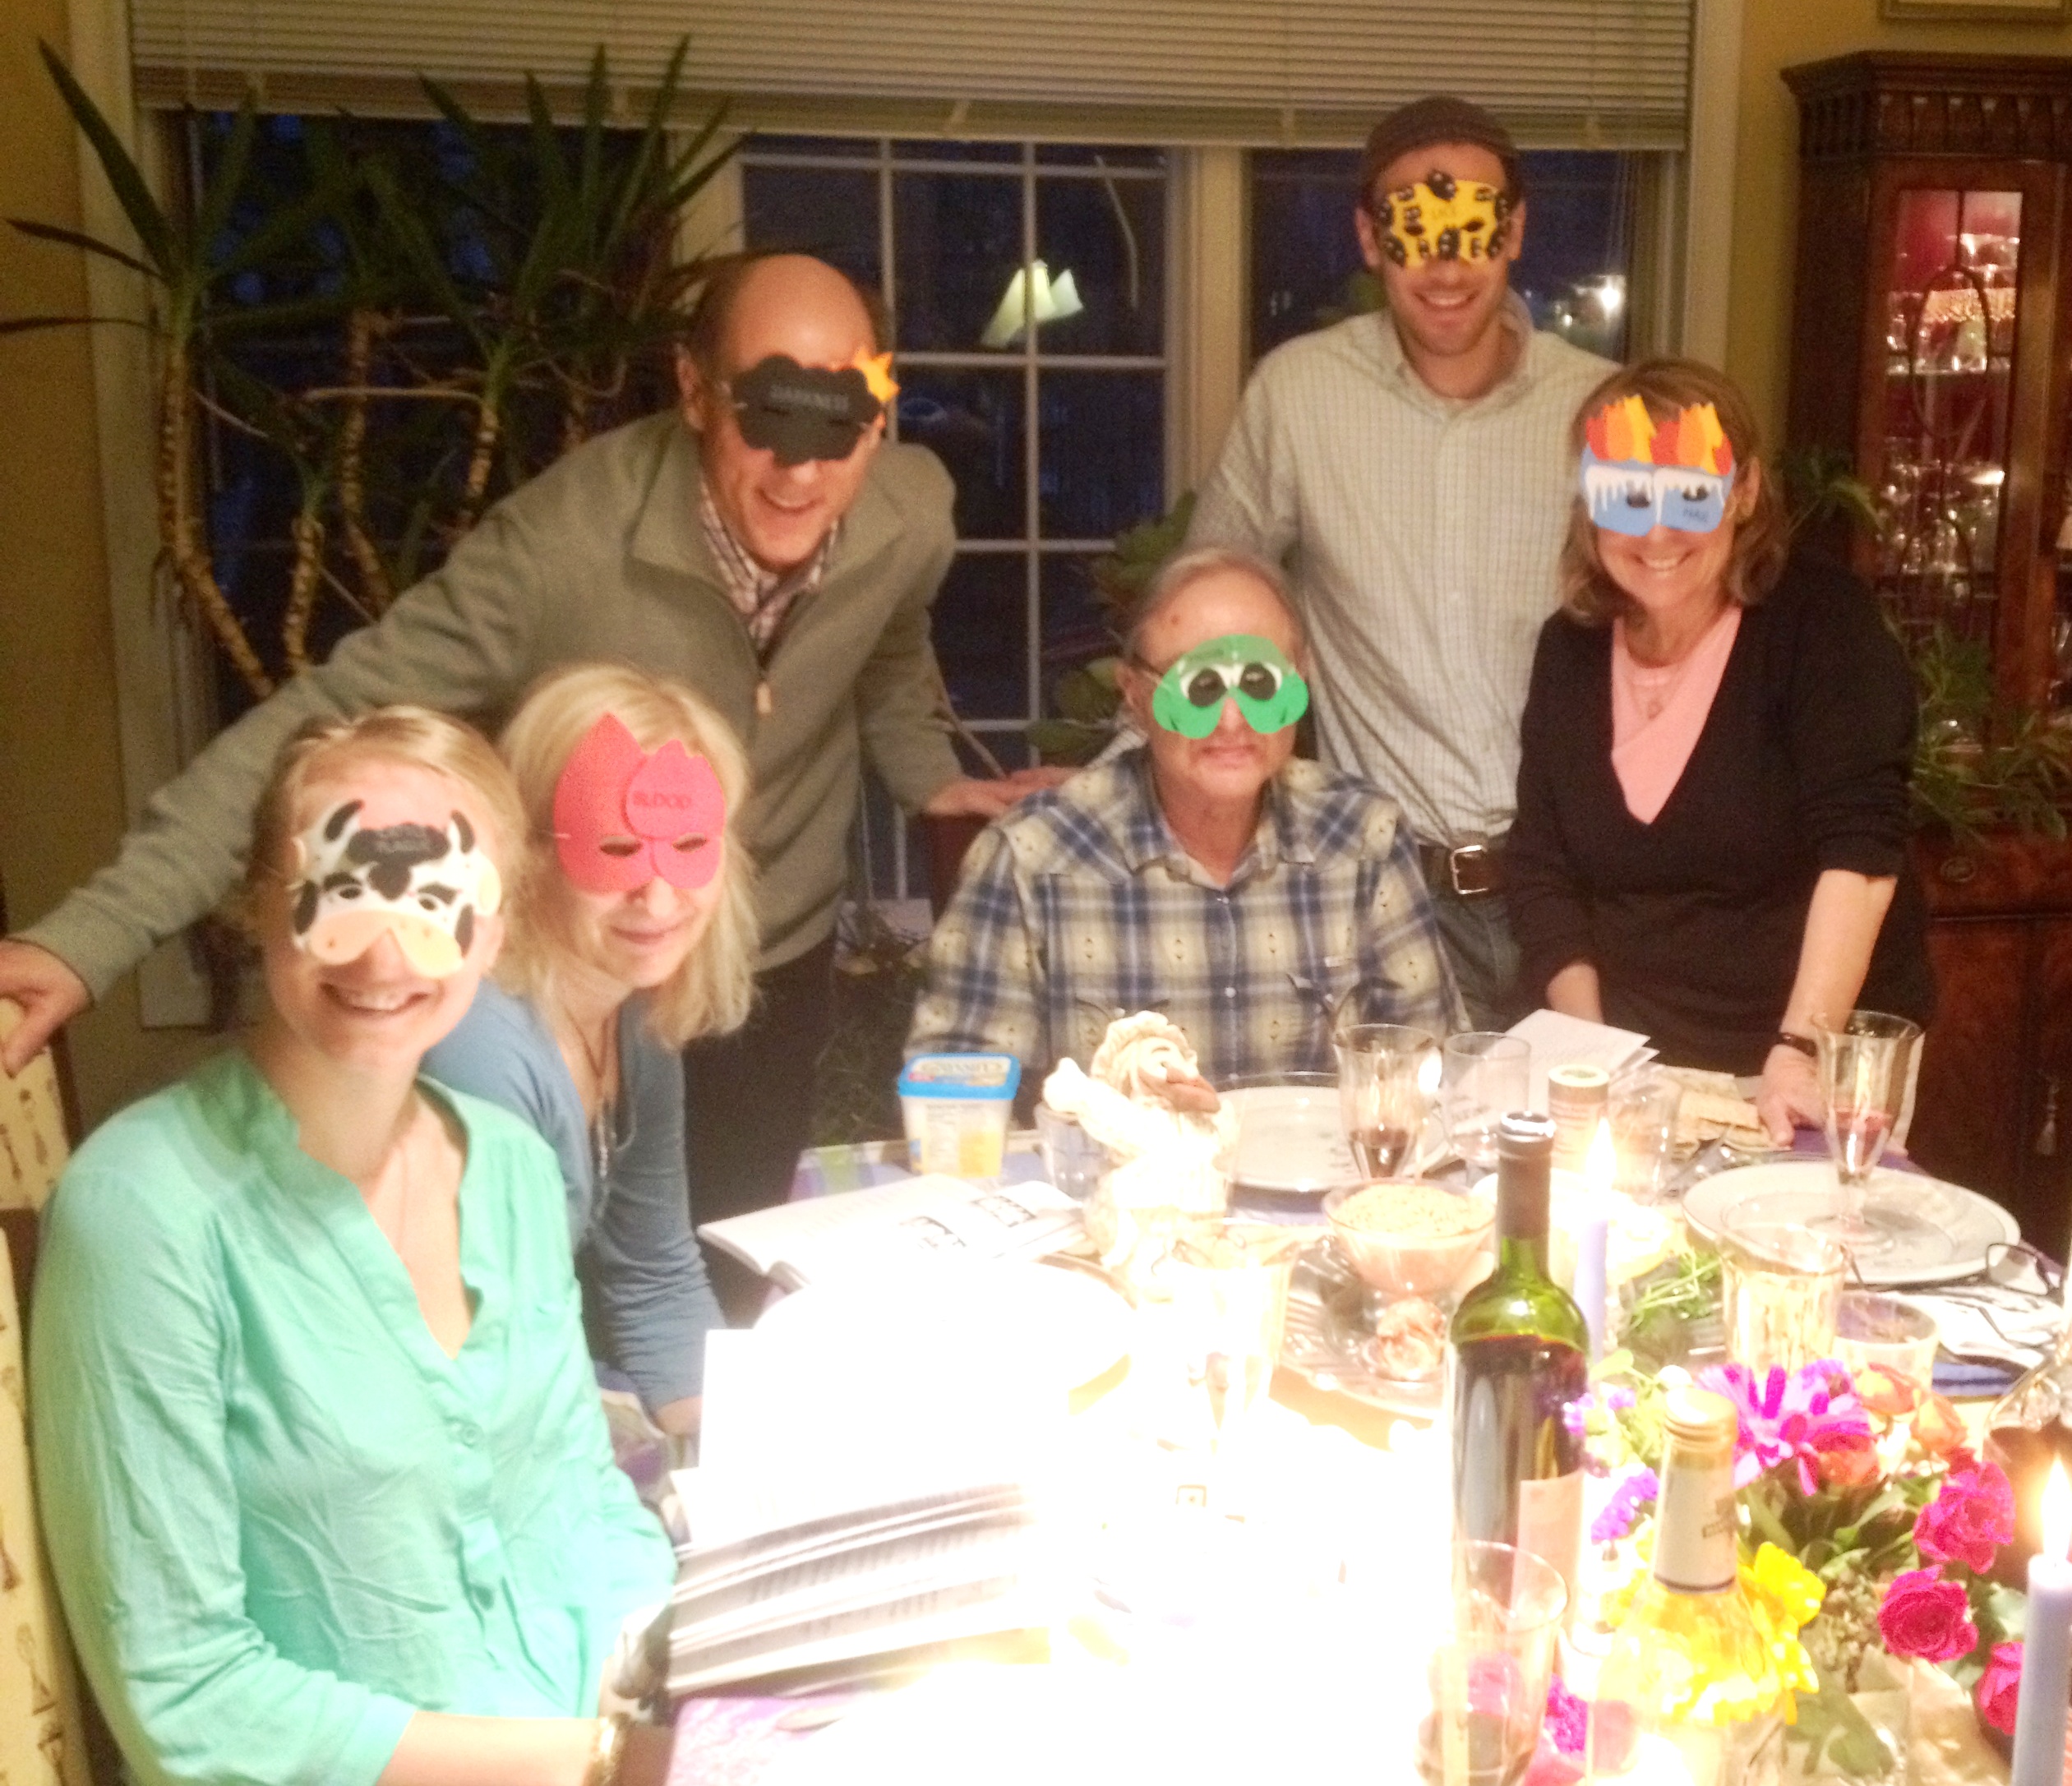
(1952, 1229)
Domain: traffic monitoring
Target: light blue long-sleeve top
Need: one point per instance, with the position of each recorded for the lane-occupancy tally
(649, 1302)
(280, 1517)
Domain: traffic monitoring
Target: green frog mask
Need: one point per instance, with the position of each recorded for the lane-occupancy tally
(1269, 689)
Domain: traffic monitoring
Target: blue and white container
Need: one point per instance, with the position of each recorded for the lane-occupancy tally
(957, 1108)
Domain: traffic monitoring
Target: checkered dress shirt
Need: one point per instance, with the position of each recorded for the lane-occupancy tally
(763, 597)
(1422, 535)
(1080, 906)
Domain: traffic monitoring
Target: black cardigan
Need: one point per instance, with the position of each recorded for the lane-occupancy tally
(1694, 922)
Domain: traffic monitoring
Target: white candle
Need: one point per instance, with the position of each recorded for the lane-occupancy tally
(2046, 1647)
(1593, 1236)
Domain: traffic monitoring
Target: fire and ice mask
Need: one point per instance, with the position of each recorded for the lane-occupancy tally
(1255, 672)
(624, 816)
(424, 884)
(1635, 475)
(1441, 219)
(810, 412)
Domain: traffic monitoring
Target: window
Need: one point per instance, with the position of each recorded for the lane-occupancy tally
(1574, 274)
(1027, 283)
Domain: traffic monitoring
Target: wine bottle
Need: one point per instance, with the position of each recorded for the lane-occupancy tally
(1652, 1716)
(1519, 1357)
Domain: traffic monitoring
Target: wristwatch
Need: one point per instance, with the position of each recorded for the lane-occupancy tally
(1805, 1045)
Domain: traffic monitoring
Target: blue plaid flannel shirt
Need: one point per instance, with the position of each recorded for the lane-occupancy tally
(1080, 906)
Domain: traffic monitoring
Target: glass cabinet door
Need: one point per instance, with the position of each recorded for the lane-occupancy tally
(1951, 308)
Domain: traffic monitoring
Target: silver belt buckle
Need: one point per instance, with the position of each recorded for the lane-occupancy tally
(1480, 879)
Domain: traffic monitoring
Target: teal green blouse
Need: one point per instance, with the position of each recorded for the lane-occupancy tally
(281, 1518)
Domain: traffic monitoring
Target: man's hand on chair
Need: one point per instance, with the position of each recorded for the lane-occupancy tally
(49, 993)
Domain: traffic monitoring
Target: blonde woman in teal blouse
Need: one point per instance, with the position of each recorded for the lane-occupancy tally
(325, 1482)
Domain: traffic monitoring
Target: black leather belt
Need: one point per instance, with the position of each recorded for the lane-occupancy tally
(1467, 871)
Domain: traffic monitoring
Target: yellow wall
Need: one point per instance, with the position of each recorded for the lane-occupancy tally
(61, 796)
(1776, 34)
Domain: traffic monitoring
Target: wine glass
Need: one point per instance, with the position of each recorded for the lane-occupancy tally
(1866, 1066)
(1488, 1076)
(1388, 1074)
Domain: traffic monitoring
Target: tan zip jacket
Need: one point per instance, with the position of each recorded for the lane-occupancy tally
(601, 555)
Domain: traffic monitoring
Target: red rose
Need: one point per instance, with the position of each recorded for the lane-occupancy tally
(1922, 1615)
(2000, 1686)
(1971, 1517)
(1849, 1467)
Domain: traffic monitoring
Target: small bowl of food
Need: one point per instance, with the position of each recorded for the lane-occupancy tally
(1410, 1239)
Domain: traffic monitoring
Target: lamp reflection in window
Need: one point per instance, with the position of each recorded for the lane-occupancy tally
(1032, 296)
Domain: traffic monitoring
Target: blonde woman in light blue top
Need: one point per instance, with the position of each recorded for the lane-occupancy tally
(325, 1482)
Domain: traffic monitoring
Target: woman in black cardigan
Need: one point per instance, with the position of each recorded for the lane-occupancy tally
(1710, 844)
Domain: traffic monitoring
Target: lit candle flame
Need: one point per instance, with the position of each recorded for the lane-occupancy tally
(2057, 1512)
(1600, 1166)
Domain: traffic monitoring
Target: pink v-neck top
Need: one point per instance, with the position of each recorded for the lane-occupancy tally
(1658, 710)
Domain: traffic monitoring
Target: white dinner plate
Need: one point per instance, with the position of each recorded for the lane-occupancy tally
(1290, 1139)
(1068, 1326)
(1954, 1228)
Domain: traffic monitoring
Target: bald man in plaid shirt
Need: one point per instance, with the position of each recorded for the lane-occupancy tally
(1214, 877)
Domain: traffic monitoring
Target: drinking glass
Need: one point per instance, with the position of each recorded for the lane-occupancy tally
(1487, 1075)
(1387, 1075)
(1208, 1333)
(1781, 1279)
(1490, 1672)
(1866, 1068)
(1889, 1333)
(1641, 1107)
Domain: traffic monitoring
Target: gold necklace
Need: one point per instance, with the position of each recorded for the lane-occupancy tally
(601, 1123)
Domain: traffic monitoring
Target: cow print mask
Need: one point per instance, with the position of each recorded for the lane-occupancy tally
(425, 886)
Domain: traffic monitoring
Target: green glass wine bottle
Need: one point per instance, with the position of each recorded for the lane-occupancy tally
(1519, 1358)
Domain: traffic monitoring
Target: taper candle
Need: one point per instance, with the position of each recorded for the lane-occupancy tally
(2046, 1645)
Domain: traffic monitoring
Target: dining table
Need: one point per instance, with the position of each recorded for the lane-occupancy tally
(1281, 1631)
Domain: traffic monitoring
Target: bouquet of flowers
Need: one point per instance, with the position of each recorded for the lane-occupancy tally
(1869, 1531)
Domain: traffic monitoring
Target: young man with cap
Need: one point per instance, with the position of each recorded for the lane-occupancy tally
(1412, 466)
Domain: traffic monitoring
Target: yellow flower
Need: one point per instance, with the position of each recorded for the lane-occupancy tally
(1780, 1584)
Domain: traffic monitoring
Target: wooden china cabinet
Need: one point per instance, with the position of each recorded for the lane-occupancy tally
(1931, 344)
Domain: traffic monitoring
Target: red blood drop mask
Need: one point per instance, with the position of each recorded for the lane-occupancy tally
(624, 816)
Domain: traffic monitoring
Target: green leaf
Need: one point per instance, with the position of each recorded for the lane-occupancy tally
(73, 239)
(161, 241)
(213, 212)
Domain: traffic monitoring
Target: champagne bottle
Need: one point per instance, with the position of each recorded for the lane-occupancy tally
(1651, 1715)
(1519, 1357)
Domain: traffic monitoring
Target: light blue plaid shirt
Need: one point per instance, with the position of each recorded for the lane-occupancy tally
(1080, 905)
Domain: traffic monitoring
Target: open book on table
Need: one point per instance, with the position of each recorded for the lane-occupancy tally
(888, 1226)
(854, 1505)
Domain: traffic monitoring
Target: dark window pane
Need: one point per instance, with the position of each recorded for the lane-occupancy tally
(1076, 626)
(982, 634)
(959, 240)
(973, 422)
(929, 149)
(1109, 236)
(772, 143)
(1306, 263)
(1102, 452)
(827, 212)
(1103, 155)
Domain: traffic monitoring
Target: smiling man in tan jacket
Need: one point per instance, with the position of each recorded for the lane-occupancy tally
(795, 597)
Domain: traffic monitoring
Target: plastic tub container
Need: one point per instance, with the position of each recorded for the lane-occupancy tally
(956, 1109)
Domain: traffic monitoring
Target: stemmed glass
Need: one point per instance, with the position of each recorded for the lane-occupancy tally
(1388, 1075)
(1866, 1068)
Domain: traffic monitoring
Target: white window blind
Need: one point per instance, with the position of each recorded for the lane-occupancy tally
(1609, 73)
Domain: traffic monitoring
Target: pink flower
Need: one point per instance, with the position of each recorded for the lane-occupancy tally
(2000, 1686)
(1970, 1518)
(1790, 1417)
(1568, 1720)
(1922, 1615)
